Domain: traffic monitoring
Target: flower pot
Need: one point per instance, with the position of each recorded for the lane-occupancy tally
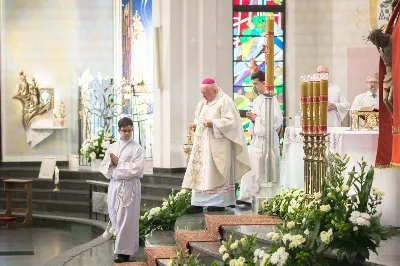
(60, 122)
(95, 163)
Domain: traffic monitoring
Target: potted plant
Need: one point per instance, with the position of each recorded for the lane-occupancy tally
(60, 118)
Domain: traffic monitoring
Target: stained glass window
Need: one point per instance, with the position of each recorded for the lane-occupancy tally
(248, 44)
(258, 2)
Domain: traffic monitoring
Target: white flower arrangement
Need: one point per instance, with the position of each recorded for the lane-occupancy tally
(286, 202)
(164, 218)
(96, 146)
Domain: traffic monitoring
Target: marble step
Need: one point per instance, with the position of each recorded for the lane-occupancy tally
(163, 179)
(71, 205)
(69, 176)
(260, 231)
(160, 190)
(45, 191)
(70, 184)
(207, 251)
(50, 205)
(49, 194)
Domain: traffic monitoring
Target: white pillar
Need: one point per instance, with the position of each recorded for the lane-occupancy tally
(195, 42)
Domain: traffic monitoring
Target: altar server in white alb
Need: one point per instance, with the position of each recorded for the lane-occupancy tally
(123, 164)
(250, 182)
(338, 106)
(219, 156)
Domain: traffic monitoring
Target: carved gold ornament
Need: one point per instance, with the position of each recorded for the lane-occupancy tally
(34, 101)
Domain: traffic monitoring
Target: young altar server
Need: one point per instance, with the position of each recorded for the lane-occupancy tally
(250, 181)
(123, 164)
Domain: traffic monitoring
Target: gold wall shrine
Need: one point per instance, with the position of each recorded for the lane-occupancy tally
(314, 105)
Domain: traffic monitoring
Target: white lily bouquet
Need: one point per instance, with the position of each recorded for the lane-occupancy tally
(96, 146)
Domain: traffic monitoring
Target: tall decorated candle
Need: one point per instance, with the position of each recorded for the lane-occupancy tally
(315, 99)
(304, 103)
(310, 104)
(269, 54)
(323, 102)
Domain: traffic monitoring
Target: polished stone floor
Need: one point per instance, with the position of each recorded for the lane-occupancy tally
(41, 243)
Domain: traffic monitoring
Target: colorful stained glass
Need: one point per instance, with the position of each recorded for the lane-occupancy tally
(248, 43)
(258, 2)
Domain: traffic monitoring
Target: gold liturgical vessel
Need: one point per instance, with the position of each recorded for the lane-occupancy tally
(314, 105)
(188, 145)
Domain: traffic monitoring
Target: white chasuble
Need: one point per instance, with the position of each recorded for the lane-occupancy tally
(124, 193)
(219, 156)
(335, 95)
(366, 99)
(249, 185)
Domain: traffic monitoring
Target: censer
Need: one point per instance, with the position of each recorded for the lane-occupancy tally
(188, 145)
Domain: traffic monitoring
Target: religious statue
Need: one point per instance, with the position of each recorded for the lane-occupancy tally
(139, 55)
(383, 42)
(29, 96)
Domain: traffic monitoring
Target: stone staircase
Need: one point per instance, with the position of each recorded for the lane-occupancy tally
(73, 196)
(200, 239)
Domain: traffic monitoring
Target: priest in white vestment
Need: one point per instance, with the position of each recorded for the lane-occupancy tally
(370, 98)
(219, 155)
(249, 185)
(338, 106)
(123, 164)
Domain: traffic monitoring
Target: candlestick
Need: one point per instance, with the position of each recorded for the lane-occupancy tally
(56, 178)
(315, 95)
(323, 103)
(304, 103)
(310, 107)
(269, 55)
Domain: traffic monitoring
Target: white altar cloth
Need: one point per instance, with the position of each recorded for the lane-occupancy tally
(355, 144)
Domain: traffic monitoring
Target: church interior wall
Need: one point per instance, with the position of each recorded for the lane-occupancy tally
(196, 39)
(54, 42)
(330, 33)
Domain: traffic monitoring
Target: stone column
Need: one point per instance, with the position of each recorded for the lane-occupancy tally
(195, 39)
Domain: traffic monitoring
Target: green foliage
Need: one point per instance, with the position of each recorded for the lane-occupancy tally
(164, 218)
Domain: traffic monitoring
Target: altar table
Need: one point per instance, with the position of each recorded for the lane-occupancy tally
(356, 144)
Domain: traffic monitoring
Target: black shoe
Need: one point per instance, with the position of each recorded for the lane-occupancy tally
(215, 209)
(194, 209)
(241, 202)
(232, 206)
(121, 258)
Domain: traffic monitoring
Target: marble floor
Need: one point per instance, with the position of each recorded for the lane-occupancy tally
(36, 246)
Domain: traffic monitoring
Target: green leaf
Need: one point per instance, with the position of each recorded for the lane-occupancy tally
(351, 255)
(363, 251)
(340, 254)
(376, 238)
(315, 232)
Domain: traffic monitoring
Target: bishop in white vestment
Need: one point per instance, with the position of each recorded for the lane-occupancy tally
(338, 106)
(123, 164)
(249, 185)
(219, 155)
